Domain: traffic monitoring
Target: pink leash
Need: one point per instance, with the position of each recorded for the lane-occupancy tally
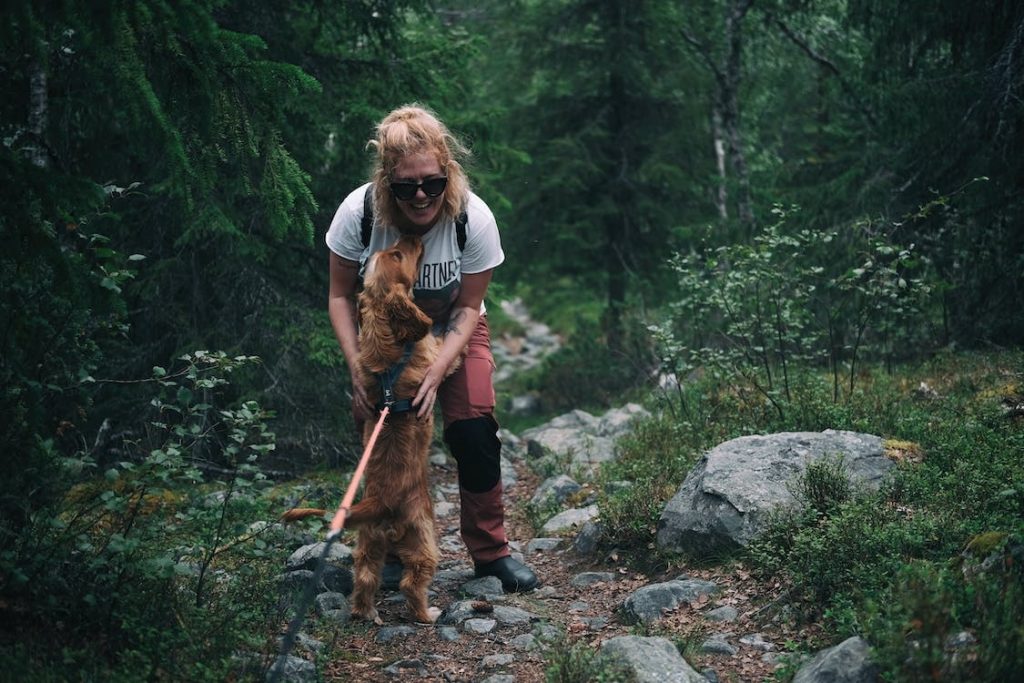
(338, 523)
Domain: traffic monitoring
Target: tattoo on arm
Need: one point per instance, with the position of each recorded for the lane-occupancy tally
(453, 322)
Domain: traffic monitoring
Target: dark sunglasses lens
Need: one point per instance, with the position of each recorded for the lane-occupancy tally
(434, 186)
(404, 191)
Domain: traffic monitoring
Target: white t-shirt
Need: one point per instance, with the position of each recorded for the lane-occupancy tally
(440, 278)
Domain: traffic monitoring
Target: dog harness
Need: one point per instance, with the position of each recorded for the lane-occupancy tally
(387, 381)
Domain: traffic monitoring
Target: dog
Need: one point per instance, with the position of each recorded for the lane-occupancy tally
(396, 513)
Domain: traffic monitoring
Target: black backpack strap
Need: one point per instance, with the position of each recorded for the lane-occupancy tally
(460, 230)
(366, 226)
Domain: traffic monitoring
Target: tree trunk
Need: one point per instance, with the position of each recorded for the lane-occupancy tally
(38, 114)
(718, 141)
(729, 86)
(617, 231)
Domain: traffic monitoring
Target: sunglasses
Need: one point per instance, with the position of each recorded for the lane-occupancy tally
(432, 187)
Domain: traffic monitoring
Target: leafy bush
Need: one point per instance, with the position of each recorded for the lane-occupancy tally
(586, 373)
(152, 568)
(751, 315)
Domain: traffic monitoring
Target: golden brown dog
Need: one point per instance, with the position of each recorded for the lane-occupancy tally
(396, 513)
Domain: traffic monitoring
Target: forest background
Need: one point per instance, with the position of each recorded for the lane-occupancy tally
(732, 188)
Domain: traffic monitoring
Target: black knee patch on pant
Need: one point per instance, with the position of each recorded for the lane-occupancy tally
(475, 445)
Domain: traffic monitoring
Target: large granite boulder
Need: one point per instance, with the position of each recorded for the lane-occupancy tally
(725, 501)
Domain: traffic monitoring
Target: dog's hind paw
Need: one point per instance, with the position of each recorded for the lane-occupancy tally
(432, 614)
(368, 615)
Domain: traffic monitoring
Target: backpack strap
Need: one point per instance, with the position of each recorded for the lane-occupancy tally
(366, 224)
(460, 230)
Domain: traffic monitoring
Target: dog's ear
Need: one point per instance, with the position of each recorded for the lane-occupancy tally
(408, 322)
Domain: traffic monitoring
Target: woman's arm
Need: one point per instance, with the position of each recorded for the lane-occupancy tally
(461, 323)
(341, 309)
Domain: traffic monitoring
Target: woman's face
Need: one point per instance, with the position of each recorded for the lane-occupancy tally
(421, 211)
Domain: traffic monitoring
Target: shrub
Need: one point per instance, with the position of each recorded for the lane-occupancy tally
(151, 568)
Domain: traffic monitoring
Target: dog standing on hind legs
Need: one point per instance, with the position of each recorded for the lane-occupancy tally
(396, 513)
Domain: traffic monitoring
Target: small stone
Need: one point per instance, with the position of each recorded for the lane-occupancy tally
(585, 579)
(444, 508)
(389, 633)
(479, 626)
(484, 587)
(525, 642)
(726, 613)
(448, 633)
(538, 545)
(717, 645)
(495, 661)
(406, 667)
(757, 641)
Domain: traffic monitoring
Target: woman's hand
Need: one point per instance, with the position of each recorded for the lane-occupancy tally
(362, 409)
(424, 399)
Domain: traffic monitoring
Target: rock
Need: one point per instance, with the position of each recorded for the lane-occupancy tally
(584, 579)
(726, 613)
(538, 545)
(496, 661)
(525, 642)
(718, 645)
(649, 603)
(448, 633)
(526, 404)
(847, 662)
(509, 476)
(588, 538)
(293, 670)
(406, 668)
(569, 519)
(439, 458)
(619, 421)
(757, 641)
(479, 626)
(333, 607)
(484, 587)
(553, 491)
(388, 633)
(445, 508)
(500, 678)
(336, 579)
(726, 500)
(457, 612)
(308, 556)
(649, 660)
(304, 640)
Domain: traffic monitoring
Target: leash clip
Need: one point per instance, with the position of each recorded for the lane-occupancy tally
(389, 397)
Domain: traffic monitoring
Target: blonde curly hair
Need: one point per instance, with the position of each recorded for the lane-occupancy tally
(414, 129)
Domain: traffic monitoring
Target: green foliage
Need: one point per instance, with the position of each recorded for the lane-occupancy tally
(155, 551)
(655, 459)
(749, 316)
(578, 663)
(588, 373)
(824, 485)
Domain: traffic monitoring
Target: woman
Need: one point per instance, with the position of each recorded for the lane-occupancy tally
(419, 187)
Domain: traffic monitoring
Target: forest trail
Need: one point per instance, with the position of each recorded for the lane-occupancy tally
(484, 635)
(515, 638)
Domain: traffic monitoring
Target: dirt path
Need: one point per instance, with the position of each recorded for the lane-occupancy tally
(520, 648)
